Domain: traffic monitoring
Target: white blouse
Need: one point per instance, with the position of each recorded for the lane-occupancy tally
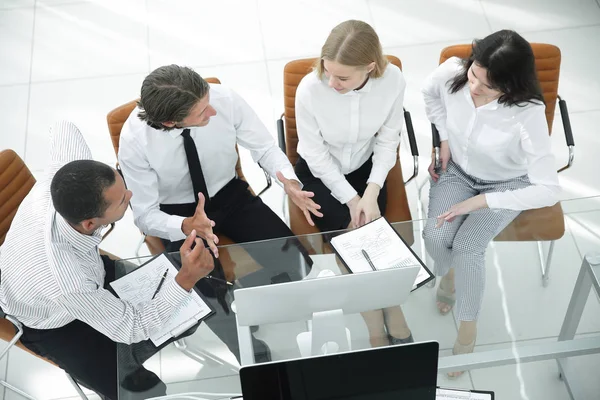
(494, 142)
(337, 133)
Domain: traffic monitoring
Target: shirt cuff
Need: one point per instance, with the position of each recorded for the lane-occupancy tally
(171, 297)
(343, 191)
(378, 175)
(289, 173)
(443, 133)
(174, 228)
(492, 200)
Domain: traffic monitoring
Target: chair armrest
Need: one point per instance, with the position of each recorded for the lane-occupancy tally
(413, 145)
(564, 115)
(281, 134)
(436, 142)
(267, 178)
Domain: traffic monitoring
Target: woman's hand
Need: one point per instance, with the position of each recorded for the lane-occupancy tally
(366, 209)
(462, 208)
(444, 158)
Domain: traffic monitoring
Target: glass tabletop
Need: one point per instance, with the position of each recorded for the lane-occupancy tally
(519, 307)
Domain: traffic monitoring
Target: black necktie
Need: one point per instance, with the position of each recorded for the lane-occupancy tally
(191, 154)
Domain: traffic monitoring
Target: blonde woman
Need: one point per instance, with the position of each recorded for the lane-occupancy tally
(349, 115)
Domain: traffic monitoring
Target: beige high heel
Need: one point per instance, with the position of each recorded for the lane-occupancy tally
(461, 349)
(445, 296)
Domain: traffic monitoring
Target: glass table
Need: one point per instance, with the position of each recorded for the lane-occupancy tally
(525, 320)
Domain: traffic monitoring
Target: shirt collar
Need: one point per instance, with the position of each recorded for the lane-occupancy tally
(78, 240)
(175, 132)
(492, 105)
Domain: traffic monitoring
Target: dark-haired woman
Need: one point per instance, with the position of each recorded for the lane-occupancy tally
(496, 162)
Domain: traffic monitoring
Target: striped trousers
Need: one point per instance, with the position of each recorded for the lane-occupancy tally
(461, 244)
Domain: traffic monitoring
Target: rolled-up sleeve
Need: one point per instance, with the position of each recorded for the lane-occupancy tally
(66, 145)
(541, 169)
(253, 135)
(117, 319)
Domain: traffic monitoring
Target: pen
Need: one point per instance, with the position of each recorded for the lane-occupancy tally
(366, 255)
(160, 283)
(218, 280)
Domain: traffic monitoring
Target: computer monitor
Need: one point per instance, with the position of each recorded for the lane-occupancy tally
(407, 372)
(324, 301)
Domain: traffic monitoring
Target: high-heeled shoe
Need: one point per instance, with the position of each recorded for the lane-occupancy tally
(395, 340)
(446, 297)
(461, 349)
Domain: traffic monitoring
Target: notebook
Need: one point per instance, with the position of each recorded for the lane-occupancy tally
(140, 285)
(375, 246)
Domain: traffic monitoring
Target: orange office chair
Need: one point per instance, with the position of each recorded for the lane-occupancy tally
(397, 203)
(16, 182)
(543, 224)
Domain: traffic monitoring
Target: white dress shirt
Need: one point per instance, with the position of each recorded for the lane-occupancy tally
(337, 132)
(53, 275)
(494, 142)
(156, 169)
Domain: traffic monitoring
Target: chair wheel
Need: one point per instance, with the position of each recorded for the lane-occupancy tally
(560, 376)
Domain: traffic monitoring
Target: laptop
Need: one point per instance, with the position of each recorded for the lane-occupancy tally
(407, 372)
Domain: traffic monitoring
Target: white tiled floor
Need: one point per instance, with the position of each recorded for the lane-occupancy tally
(78, 59)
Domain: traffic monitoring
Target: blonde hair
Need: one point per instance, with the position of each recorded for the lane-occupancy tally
(355, 44)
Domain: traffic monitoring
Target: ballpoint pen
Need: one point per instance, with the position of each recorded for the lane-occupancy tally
(218, 280)
(366, 255)
(162, 280)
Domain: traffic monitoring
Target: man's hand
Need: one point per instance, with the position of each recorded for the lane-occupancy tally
(195, 263)
(367, 208)
(200, 223)
(462, 208)
(444, 158)
(300, 198)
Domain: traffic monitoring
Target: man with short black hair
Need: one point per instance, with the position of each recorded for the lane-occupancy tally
(55, 282)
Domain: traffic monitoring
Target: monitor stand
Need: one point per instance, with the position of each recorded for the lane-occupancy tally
(329, 335)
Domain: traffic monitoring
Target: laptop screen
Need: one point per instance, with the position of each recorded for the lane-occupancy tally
(407, 372)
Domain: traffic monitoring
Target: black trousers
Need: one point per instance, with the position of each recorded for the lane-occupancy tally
(243, 218)
(335, 214)
(89, 356)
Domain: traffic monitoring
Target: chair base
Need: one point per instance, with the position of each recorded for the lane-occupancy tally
(28, 396)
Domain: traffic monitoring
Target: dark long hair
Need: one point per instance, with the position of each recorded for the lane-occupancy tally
(510, 63)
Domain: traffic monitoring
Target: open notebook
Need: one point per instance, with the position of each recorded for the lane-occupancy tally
(375, 246)
(140, 285)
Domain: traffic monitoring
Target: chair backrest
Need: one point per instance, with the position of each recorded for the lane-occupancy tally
(16, 182)
(547, 63)
(293, 73)
(117, 117)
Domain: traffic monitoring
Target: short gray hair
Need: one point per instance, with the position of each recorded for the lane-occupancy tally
(169, 93)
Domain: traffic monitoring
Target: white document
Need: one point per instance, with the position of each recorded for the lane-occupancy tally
(450, 394)
(139, 286)
(381, 243)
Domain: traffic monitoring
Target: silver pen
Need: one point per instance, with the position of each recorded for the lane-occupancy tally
(366, 255)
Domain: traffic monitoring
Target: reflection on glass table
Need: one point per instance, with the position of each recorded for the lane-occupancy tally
(517, 311)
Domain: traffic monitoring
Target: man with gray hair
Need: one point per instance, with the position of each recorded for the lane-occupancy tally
(178, 155)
